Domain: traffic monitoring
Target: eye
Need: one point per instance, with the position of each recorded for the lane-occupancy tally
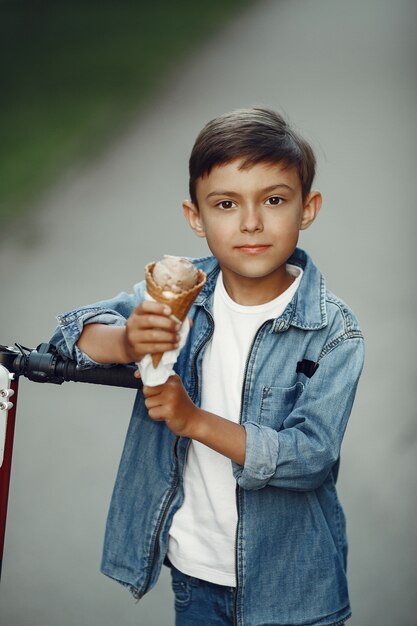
(275, 200)
(226, 204)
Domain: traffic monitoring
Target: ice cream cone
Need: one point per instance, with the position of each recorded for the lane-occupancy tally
(179, 304)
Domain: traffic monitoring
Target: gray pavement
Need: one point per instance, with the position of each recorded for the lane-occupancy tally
(344, 72)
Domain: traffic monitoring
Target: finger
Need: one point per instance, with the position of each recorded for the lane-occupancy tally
(158, 335)
(149, 392)
(156, 410)
(152, 347)
(150, 320)
(152, 402)
(149, 306)
(156, 348)
(157, 414)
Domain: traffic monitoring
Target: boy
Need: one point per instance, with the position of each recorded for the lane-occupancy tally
(228, 471)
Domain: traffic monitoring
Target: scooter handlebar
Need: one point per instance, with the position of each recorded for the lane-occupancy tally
(45, 365)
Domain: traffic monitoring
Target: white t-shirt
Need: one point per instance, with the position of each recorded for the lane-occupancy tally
(202, 535)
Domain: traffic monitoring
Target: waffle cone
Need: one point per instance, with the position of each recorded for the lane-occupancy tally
(179, 304)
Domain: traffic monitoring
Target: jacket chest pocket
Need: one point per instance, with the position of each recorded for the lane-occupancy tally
(277, 403)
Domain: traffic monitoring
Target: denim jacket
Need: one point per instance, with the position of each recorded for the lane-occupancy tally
(300, 381)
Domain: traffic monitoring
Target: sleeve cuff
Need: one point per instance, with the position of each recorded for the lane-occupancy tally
(262, 448)
(71, 326)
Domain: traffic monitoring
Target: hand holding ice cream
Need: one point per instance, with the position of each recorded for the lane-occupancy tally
(176, 282)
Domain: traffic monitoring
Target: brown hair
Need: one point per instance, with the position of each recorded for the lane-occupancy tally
(256, 135)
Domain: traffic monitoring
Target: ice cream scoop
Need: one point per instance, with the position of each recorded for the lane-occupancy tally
(176, 282)
(174, 275)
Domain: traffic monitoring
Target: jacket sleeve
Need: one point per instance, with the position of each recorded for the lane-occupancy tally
(112, 312)
(301, 454)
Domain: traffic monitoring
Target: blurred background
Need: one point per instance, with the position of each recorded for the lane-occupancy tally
(100, 105)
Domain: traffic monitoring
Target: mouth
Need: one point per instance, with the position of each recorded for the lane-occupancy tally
(253, 248)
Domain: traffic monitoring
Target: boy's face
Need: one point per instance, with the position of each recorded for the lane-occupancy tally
(251, 219)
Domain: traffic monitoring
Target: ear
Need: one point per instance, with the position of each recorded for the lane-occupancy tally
(193, 217)
(311, 208)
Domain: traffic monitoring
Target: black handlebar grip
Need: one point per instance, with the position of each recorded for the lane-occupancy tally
(45, 365)
(116, 376)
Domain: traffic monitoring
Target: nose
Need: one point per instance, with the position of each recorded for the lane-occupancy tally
(251, 220)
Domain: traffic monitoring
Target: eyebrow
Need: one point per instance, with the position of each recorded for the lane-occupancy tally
(235, 193)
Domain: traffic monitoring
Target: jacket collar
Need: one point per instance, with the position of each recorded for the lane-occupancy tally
(307, 310)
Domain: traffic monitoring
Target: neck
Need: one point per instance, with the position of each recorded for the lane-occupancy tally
(249, 291)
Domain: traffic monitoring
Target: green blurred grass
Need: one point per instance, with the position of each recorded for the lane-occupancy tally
(73, 73)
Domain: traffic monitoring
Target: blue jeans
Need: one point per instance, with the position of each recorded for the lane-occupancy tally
(200, 603)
